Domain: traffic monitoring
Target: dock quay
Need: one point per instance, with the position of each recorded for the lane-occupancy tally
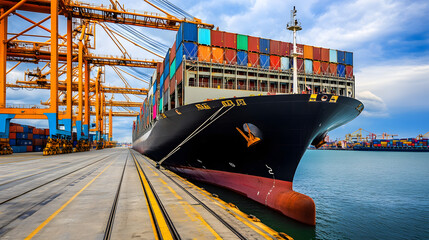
(112, 194)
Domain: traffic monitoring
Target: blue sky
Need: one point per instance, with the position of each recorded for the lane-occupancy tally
(389, 39)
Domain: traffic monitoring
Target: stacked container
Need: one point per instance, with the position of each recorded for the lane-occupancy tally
(23, 138)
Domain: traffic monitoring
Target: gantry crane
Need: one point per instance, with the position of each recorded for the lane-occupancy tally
(62, 49)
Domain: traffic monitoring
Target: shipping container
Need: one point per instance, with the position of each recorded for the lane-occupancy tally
(274, 47)
(341, 70)
(12, 135)
(264, 61)
(285, 63)
(324, 52)
(332, 69)
(274, 62)
(242, 42)
(173, 68)
(188, 32)
(172, 85)
(19, 149)
(173, 50)
(167, 68)
(324, 68)
(217, 38)
(308, 65)
(217, 55)
(333, 56)
(230, 40)
(230, 56)
(341, 58)
(253, 44)
(300, 63)
(179, 74)
(12, 142)
(204, 53)
(204, 37)
(264, 46)
(317, 68)
(242, 58)
(284, 49)
(308, 52)
(317, 54)
(253, 59)
(189, 50)
(349, 58)
(349, 71)
(166, 83)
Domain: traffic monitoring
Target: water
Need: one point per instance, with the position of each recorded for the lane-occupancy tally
(358, 195)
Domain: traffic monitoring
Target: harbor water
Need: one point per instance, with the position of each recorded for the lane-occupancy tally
(358, 195)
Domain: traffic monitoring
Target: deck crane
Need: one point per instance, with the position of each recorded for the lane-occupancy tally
(423, 136)
(62, 49)
(357, 136)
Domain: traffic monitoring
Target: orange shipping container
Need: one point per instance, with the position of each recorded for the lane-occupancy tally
(30, 136)
(179, 74)
(333, 69)
(217, 55)
(325, 54)
(204, 53)
(29, 148)
(12, 135)
(274, 62)
(16, 129)
(308, 52)
(172, 85)
(316, 67)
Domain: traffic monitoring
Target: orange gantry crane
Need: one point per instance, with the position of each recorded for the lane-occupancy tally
(62, 49)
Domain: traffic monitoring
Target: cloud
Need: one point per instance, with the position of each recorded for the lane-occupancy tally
(374, 105)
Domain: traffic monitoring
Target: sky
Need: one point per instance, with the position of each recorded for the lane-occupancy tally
(389, 40)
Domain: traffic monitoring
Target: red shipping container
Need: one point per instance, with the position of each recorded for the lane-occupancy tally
(46, 132)
(274, 62)
(16, 129)
(253, 44)
(253, 59)
(317, 55)
(274, 47)
(285, 49)
(172, 57)
(316, 67)
(300, 63)
(172, 85)
(158, 68)
(216, 38)
(173, 49)
(12, 135)
(324, 68)
(166, 83)
(349, 71)
(333, 69)
(29, 148)
(230, 40)
(324, 52)
(179, 74)
(230, 56)
(30, 136)
(37, 142)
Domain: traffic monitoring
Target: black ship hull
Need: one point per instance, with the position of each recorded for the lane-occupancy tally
(252, 145)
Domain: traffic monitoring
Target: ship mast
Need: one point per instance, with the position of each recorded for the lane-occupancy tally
(294, 26)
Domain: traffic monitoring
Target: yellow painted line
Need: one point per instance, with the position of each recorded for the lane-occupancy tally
(154, 173)
(237, 212)
(196, 214)
(42, 225)
(163, 227)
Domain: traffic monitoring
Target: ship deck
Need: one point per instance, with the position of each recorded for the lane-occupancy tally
(112, 193)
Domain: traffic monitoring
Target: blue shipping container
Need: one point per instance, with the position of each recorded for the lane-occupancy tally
(242, 58)
(264, 45)
(25, 128)
(333, 55)
(188, 32)
(21, 135)
(264, 61)
(166, 68)
(308, 66)
(341, 58)
(190, 51)
(285, 63)
(349, 58)
(39, 148)
(204, 36)
(12, 142)
(341, 70)
(19, 149)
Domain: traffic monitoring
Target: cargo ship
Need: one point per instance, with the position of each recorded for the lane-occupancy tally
(240, 111)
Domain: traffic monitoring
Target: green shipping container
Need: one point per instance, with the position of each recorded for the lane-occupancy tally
(173, 69)
(204, 36)
(242, 42)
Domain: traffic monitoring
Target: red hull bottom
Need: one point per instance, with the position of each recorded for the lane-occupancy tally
(273, 193)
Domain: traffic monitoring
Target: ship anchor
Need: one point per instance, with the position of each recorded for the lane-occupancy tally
(251, 139)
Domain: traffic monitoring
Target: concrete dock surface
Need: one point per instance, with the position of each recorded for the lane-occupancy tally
(112, 194)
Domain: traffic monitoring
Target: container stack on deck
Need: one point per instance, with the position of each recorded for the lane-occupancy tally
(329, 67)
(23, 138)
(403, 144)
